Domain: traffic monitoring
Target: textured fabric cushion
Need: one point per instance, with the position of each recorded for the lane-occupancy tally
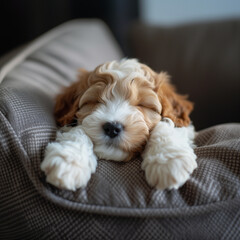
(203, 60)
(117, 203)
(52, 60)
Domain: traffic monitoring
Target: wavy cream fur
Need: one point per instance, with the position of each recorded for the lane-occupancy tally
(70, 161)
(126, 68)
(168, 158)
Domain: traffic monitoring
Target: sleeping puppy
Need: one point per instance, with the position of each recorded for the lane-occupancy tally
(122, 109)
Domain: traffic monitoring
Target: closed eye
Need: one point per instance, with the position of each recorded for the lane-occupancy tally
(149, 99)
(85, 104)
(149, 107)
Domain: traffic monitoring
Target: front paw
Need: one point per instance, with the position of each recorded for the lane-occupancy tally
(70, 161)
(169, 174)
(168, 158)
(66, 174)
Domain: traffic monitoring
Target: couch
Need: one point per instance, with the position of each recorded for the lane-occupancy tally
(117, 203)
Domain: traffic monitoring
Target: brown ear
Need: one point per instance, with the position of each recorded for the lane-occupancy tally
(67, 102)
(174, 106)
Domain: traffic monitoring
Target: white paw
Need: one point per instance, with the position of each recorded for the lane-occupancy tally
(69, 163)
(168, 159)
(171, 174)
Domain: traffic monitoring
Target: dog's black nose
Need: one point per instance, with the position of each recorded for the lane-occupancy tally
(112, 129)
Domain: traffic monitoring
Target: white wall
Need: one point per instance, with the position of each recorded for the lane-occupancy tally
(173, 12)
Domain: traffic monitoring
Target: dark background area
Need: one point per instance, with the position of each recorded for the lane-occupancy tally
(23, 20)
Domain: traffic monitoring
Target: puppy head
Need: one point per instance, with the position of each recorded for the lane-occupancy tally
(118, 104)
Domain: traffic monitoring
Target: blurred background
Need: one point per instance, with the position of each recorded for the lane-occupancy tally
(24, 20)
(197, 42)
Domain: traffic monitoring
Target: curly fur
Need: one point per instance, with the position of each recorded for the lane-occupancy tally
(137, 98)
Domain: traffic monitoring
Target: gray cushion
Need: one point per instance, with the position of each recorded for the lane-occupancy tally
(117, 201)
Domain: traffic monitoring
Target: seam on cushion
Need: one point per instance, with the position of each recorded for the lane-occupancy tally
(25, 131)
(118, 211)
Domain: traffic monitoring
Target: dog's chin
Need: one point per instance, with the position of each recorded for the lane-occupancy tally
(110, 153)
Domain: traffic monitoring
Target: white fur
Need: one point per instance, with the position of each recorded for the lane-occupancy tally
(169, 159)
(70, 161)
(116, 110)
